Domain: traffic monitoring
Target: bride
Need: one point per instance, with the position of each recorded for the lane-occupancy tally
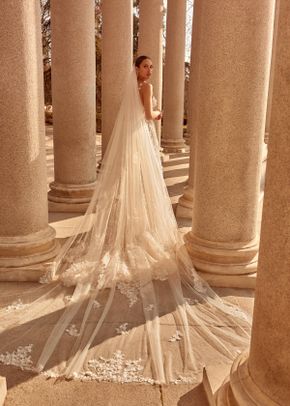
(122, 301)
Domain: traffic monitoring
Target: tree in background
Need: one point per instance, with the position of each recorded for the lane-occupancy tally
(46, 48)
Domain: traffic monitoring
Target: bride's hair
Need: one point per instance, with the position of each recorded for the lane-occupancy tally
(140, 59)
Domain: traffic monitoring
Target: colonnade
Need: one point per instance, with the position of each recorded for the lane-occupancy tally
(229, 87)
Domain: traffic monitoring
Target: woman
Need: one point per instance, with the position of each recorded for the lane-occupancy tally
(134, 309)
(144, 69)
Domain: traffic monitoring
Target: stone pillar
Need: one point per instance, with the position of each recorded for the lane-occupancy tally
(117, 59)
(187, 133)
(74, 110)
(185, 202)
(25, 237)
(234, 67)
(172, 131)
(264, 377)
(150, 44)
(270, 91)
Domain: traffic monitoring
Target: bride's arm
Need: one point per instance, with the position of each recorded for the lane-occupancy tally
(147, 94)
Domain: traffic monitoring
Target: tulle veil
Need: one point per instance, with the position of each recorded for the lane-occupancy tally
(122, 302)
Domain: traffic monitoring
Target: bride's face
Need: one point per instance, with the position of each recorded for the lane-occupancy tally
(144, 71)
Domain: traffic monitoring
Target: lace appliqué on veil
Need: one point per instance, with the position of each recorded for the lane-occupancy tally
(72, 330)
(122, 329)
(175, 337)
(16, 305)
(184, 380)
(130, 291)
(20, 358)
(78, 272)
(149, 307)
(117, 369)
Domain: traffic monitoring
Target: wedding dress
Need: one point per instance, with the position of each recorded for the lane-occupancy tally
(122, 301)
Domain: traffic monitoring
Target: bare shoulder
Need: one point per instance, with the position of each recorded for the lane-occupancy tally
(147, 88)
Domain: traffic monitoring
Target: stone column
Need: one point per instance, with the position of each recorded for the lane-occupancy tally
(264, 377)
(73, 98)
(25, 237)
(270, 91)
(150, 44)
(172, 131)
(234, 67)
(185, 202)
(117, 59)
(187, 133)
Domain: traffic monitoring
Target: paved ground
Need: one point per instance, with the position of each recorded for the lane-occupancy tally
(25, 389)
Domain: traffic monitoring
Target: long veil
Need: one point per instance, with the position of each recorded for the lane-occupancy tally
(122, 301)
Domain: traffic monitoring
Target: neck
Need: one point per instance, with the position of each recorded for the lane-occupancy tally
(140, 83)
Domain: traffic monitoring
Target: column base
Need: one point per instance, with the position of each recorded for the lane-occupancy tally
(59, 207)
(173, 145)
(241, 390)
(70, 198)
(222, 258)
(213, 377)
(185, 204)
(27, 250)
(29, 273)
(240, 281)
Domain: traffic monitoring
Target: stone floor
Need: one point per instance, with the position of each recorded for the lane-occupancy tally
(25, 389)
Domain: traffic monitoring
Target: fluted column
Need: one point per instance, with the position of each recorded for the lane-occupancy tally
(172, 131)
(117, 59)
(25, 237)
(234, 67)
(185, 202)
(263, 379)
(150, 44)
(73, 98)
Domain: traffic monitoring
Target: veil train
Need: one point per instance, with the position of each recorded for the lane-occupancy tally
(122, 301)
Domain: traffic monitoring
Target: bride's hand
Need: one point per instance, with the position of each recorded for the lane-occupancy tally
(159, 117)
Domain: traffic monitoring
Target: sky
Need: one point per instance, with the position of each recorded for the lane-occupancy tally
(189, 15)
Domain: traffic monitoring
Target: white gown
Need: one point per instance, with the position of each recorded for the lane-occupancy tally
(122, 302)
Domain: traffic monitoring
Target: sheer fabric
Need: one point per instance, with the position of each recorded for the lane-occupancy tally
(122, 301)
